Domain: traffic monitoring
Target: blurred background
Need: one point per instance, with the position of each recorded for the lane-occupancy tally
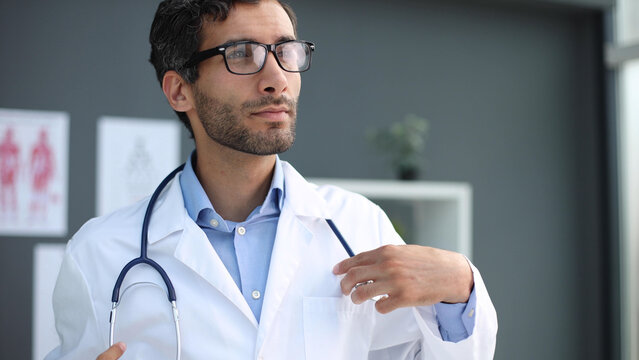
(533, 103)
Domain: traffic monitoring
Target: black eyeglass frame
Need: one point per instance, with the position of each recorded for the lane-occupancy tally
(221, 50)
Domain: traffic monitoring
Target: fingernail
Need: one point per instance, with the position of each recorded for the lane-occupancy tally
(336, 268)
(122, 346)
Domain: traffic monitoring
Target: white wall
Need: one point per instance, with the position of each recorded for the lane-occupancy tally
(627, 28)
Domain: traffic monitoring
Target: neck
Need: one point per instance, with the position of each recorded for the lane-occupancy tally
(235, 182)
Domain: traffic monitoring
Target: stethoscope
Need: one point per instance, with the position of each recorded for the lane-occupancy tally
(144, 259)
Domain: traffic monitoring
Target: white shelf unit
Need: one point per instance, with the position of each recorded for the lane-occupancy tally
(442, 211)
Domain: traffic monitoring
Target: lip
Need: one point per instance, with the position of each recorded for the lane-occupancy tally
(273, 113)
(273, 109)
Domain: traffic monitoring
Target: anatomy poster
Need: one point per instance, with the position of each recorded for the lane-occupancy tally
(33, 172)
(134, 155)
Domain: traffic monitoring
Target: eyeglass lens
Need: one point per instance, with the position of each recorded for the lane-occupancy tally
(247, 58)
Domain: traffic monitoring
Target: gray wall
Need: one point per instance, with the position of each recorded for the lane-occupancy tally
(512, 91)
(593, 4)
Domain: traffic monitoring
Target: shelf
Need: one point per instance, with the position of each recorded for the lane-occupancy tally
(442, 211)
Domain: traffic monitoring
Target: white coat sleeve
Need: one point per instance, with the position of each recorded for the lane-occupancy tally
(420, 326)
(75, 318)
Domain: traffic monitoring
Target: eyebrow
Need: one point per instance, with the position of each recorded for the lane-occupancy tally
(279, 40)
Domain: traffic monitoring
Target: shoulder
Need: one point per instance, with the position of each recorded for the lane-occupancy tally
(332, 200)
(359, 220)
(119, 224)
(338, 198)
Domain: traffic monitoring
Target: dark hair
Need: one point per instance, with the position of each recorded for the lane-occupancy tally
(175, 35)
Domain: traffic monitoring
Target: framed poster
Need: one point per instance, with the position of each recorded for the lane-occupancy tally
(133, 157)
(47, 259)
(34, 147)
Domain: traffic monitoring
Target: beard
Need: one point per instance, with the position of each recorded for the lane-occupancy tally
(222, 123)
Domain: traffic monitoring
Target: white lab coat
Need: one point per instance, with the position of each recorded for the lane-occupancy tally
(304, 314)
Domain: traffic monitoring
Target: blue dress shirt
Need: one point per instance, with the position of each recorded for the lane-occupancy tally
(245, 248)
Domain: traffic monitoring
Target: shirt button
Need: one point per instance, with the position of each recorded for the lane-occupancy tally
(241, 230)
(471, 312)
(255, 294)
(214, 223)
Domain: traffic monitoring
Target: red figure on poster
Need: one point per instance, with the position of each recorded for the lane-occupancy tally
(42, 174)
(9, 165)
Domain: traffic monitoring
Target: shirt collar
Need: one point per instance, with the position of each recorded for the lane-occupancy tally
(196, 200)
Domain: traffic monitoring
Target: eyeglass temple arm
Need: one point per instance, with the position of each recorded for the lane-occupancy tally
(198, 57)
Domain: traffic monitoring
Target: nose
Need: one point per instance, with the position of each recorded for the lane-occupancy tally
(273, 80)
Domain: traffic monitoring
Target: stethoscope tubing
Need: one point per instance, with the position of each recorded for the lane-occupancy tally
(143, 258)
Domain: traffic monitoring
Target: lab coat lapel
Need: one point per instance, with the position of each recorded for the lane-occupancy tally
(291, 242)
(196, 252)
(301, 204)
(193, 248)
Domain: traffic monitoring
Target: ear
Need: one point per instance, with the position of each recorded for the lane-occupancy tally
(177, 91)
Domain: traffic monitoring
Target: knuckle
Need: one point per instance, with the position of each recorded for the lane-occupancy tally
(393, 263)
(350, 276)
(350, 279)
(364, 292)
(346, 287)
(387, 251)
(356, 297)
(346, 264)
(394, 268)
(383, 306)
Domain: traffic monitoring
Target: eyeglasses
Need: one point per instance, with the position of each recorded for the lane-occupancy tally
(248, 57)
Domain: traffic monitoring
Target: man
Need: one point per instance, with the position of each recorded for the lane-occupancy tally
(258, 271)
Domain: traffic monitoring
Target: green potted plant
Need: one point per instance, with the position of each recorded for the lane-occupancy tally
(402, 142)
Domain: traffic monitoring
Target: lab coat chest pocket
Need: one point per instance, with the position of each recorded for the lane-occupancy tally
(335, 328)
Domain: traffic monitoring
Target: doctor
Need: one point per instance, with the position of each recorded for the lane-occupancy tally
(257, 271)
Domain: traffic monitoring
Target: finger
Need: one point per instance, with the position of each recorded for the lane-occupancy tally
(114, 352)
(357, 275)
(365, 258)
(368, 290)
(387, 304)
(358, 260)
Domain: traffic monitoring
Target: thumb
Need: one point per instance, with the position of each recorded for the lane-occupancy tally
(114, 352)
